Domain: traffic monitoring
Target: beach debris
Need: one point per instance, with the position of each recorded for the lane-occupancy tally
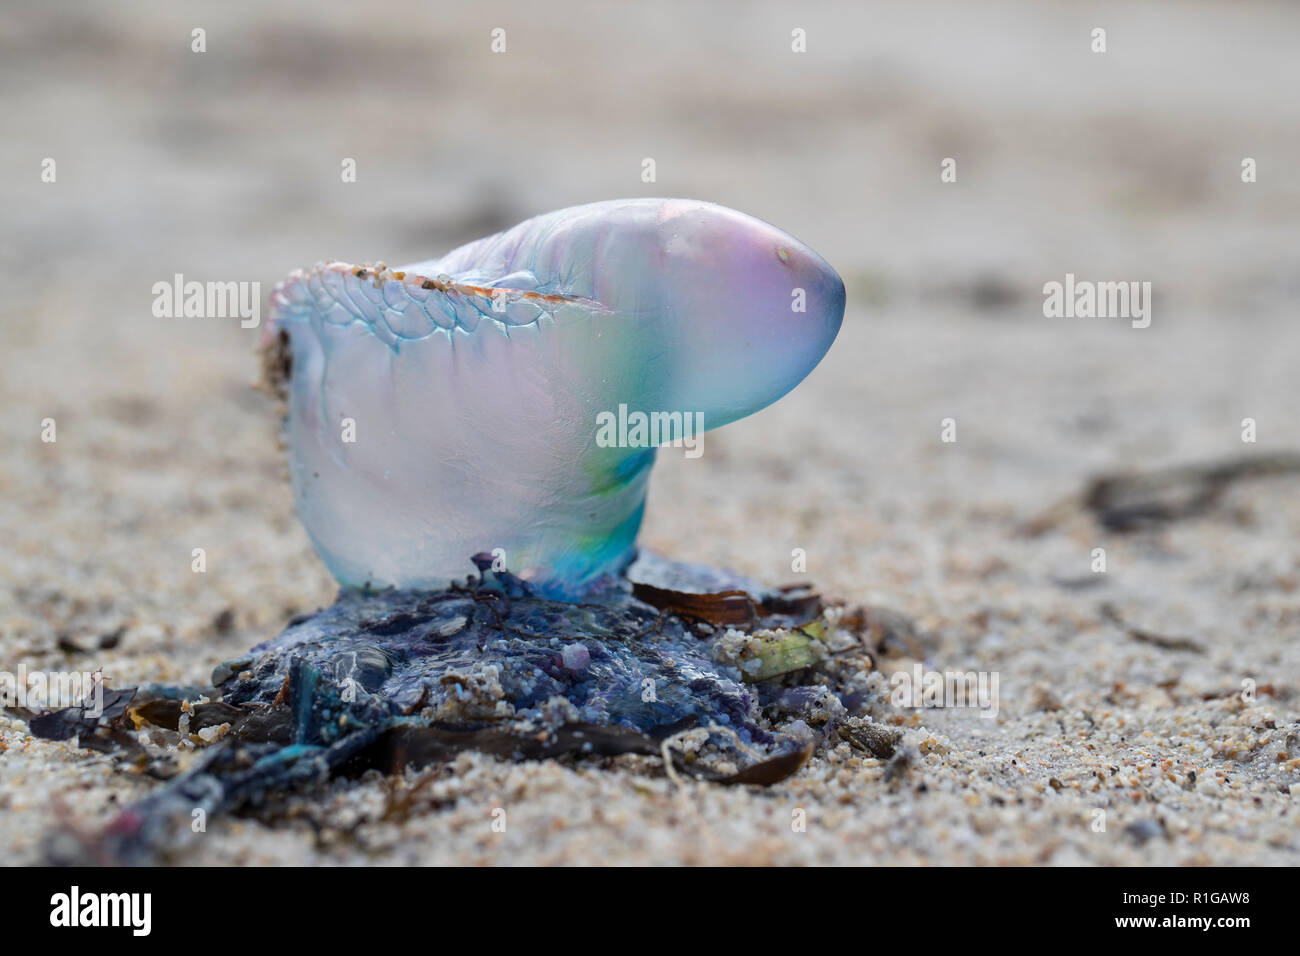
(1128, 501)
(93, 722)
(887, 632)
(1140, 831)
(724, 608)
(771, 653)
(869, 736)
(396, 679)
(905, 758)
(1112, 614)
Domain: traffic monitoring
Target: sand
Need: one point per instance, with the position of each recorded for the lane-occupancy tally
(225, 165)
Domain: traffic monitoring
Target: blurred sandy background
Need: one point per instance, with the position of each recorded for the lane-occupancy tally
(225, 166)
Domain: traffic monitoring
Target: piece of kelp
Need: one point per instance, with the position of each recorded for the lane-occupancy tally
(724, 608)
(396, 679)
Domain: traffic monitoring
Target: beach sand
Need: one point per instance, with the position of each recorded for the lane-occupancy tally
(1122, 736)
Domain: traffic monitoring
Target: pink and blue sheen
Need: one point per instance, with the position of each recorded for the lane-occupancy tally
(474, 383)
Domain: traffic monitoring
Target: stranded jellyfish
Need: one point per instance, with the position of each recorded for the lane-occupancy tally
(507, 398)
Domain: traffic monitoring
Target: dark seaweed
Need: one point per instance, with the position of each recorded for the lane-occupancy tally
(400, 679)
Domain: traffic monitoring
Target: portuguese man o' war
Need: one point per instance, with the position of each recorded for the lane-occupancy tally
(461, 412)
(455, 407)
